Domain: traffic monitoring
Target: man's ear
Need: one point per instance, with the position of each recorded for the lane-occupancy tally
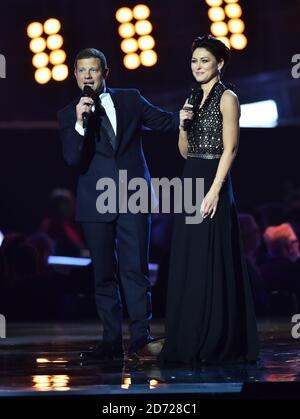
(105, 73)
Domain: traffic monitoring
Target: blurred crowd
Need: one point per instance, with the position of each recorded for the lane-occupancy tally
(33, 289)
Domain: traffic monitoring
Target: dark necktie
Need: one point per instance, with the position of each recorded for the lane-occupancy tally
(105, 125)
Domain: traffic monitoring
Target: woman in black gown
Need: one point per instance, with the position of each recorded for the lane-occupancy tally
(210, 316)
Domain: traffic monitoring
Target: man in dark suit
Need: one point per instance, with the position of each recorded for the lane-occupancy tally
(118, 241)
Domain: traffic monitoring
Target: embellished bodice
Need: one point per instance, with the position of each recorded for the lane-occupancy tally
(205, 136)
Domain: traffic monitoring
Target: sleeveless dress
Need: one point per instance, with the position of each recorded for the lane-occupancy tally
(210, 314)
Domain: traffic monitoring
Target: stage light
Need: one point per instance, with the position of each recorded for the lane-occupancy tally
(54, 41)
(136, 29)
(213, 3)
(141, 11)
(57, 56)
(226, 24)
(132, 61)
(126, 30)
(129, 45)
(68, 261)
(37, 45)
(143, 27)
(40, 60)
(238, 41)
(148, 58)
(236, 25)
(34, 30)
(124, 14)
(146, 42)
(219, 29)
(259, 114)
(42, 75)
(225, 40)
(60, 72)
(233, 11)
(216, 14)
(52, 26)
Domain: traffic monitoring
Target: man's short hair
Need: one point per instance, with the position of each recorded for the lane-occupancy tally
(91, 53)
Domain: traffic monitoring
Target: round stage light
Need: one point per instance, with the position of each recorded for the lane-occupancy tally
(213, 3)
(236, 25)
(126, 30)
(37, 45)
(146, 42)
(143, 27)
(132, 61)
(129, 45)
(219, 29)
(216, 14)
(60, 72)
(141, 11)
(148, 58)
(124, 14)
(52, 26)
(57, 56)
(238, 41)
(42, 75)
(231, 1)
(233, 11)
(55, 41)
(40, 60)
(34, 30)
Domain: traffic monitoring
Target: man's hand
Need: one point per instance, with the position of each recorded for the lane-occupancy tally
(84, 105)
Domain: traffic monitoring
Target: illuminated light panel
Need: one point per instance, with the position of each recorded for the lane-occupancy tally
(259, 114)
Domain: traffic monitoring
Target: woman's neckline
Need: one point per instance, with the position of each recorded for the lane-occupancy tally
(209, 94)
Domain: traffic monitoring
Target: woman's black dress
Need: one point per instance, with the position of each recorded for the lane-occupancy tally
(210, 314)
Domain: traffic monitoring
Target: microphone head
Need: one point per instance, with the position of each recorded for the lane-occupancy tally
(88, 91)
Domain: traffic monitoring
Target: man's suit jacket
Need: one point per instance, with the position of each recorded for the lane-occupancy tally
(96, 158)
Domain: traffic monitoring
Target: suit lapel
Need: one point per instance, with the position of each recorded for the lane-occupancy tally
(117, 100)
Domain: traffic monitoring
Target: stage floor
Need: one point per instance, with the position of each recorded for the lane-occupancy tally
(43, 360)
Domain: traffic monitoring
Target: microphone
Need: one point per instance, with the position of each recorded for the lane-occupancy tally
(87, 92)
(192, 100)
